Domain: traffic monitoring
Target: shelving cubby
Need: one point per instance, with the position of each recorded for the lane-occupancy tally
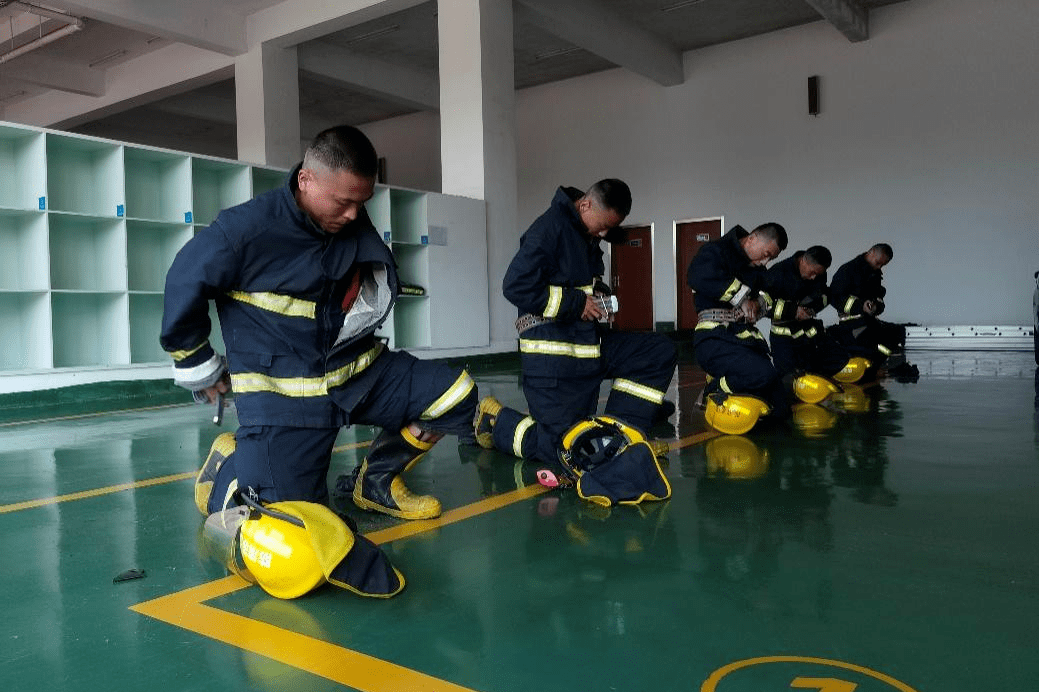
(145, 326)
(26, 321)
(158, 185)
(216, 185)
(87, 253)
(267, 179)
(90, 329)
(84, 175)
(23, 168)
(150, 249)
(24, 258)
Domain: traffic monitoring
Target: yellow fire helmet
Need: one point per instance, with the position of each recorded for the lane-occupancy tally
(812, 389)
(734, 414)
(735, 456)
(291, 548)
(853, 370)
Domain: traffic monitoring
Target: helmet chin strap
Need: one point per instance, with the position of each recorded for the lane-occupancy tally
(252, 500)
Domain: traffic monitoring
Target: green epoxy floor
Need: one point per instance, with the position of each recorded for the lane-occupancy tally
(892, 546)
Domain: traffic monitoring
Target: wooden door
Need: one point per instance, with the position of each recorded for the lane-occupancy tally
(690, 236)
(631, 277)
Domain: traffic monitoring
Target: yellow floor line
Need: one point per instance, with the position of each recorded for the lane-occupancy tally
(97, 492)
(365, 673)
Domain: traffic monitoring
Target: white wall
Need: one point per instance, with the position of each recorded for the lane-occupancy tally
(927, 139)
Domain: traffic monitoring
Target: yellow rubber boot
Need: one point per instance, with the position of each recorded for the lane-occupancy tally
(223, 447)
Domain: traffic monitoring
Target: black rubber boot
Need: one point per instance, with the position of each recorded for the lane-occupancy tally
(377, 484)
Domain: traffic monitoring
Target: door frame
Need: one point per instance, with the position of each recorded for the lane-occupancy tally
(674, 250)
(608, 270)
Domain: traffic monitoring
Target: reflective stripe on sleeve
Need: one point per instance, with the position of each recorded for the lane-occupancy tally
(849, 303)
(555, 300)
(280, 304)
(734, 289)
(181, 355)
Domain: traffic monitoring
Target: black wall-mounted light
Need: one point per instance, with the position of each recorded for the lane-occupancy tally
(813, 95)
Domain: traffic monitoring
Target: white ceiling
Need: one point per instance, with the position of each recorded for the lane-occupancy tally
(551, 42)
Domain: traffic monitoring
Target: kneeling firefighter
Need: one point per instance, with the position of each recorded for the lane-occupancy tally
(290, 548)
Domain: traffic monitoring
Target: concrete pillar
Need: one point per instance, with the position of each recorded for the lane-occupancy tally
(267, 106)
(478, 132)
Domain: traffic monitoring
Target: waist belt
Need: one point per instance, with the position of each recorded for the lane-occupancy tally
(724, 315)
(525, 322)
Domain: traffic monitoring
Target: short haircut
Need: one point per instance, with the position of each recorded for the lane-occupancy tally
(817, 254)
(613, 194)
(885, 250)
(342, 148)
(774, 232)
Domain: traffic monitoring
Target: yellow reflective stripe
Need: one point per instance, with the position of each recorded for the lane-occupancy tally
(724, 385)
(811, 332)
(559, 348)
(782, 331)
(274, 302)
(849, 303)
(884, 349)
(555, 299)
(780, 306)
(639, 391)
(706, 324)
(414, 441)
(769, 302)
(449, 399)
(302, 387)
(846, 318)
(181, 355)
(732, 290)
(517, 437)
(750, 334)
(589, 289)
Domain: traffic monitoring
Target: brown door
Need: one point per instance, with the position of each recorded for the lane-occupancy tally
(690, 236)
(631, 277)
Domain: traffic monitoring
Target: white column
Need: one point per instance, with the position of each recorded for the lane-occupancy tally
(478, 131)
(267, 106)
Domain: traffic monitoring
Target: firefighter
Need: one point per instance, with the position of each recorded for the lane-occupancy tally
(857, 292)
(301, 280)
(555, 282)
(795, 292)
(726, 276)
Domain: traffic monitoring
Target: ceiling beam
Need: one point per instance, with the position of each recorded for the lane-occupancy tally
(849, 16)
(198, 23)
(292, 22)
(597, 29)
(57, 74)
(355, 71)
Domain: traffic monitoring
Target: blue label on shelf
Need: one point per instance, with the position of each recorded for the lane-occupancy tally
(120, 210)
(386, 236)
(187, 217)
(425, 240)
(43, 203)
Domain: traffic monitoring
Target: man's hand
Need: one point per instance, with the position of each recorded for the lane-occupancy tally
(592, 311)
(750, 309)
(223, 386)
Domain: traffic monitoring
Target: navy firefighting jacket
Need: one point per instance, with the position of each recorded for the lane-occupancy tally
(278, 282)
(551, 275)
(855, 282)
(785, 290)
